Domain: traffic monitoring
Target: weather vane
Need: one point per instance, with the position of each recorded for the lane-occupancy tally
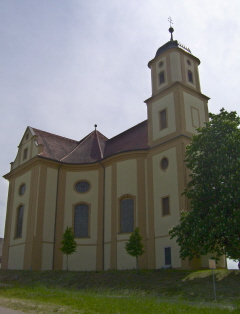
(171, 30)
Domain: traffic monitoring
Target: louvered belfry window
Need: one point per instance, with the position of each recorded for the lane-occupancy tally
(127, 215)
(19, 221)
(81, 219)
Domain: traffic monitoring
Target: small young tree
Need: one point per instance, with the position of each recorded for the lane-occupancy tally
(134, 246)
(68, 243)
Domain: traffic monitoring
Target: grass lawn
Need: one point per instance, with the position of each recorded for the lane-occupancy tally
(163, 291)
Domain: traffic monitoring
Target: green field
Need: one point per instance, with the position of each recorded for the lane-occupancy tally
(161, 291)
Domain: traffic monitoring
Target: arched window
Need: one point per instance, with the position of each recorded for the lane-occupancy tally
(190, 76)
(19, 222)
(127, 215)
(81, 220)
(163, 119)
(22, 189)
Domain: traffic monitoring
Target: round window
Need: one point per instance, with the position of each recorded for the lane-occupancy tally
(164, 163)
(160, 64)
(82, 187)
(188, 62)
(22, 189)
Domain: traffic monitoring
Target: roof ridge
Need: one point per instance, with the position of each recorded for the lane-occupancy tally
(79, 144)
(101, 153)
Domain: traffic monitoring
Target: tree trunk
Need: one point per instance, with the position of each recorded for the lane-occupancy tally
(67, 261)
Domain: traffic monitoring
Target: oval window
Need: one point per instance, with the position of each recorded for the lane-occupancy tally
(22, 189)
(82, 187)
(164, 163)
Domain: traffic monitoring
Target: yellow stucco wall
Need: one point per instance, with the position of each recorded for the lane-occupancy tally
(124, 260)
(47, 256)
(16, 257)
(160, 69)
(85, 246)
(161, 244)
(165, 183)
(205, 261)
(49, 218)
(50, 205)
(91, 197)
(83, 259)
(108, 204)
(175, 63)
(194, 112)
(162, 103)
(17, 201)
(126, 184)
(127, 177)
(35, 149)
(147, 196)
(191, 68)
(31, 147)
(107, 256)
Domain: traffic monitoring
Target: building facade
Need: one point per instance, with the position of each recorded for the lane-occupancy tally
(1, 246)
(104, 188)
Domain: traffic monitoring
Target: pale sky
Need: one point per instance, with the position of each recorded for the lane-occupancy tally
(68, 64)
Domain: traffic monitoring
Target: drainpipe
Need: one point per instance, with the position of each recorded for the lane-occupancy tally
(55, 220)
(103, 217)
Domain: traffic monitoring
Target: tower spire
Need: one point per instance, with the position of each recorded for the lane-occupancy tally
(171, 29)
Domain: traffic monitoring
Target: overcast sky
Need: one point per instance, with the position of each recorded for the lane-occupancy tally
(68, 64)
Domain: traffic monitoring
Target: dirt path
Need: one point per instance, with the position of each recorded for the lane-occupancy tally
(4, 310)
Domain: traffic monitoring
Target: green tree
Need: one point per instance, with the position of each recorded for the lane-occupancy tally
(213, 223)
(134, 246)
(68, 243)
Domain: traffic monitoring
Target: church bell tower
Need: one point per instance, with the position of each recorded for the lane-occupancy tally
(177, 107)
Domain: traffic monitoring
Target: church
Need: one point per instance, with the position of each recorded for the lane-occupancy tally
(105, 188)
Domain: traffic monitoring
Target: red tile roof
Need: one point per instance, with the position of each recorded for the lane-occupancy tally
(135, 138)
(55, 147)
(90, 149)
(94, 147)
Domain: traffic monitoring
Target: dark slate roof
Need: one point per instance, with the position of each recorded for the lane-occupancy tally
(92, 148)
(171, 44)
